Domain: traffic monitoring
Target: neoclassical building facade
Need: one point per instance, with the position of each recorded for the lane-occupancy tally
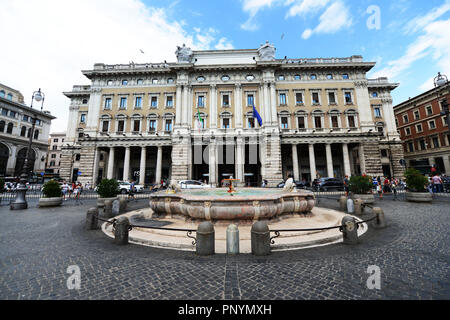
(15, 130)
(194, 119)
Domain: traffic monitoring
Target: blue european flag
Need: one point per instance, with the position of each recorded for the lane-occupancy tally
(257, 116)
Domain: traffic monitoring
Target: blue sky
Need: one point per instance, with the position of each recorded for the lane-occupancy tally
(51, 41)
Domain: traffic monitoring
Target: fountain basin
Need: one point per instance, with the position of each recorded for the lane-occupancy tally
(247, 204)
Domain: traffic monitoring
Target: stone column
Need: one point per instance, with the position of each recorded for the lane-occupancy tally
(178, 102)
(329, 160)
(346, 159)
(126, 164)
(142, 166)
(110, 173)
(240, 148)
(312, 162)
(95, 171)
(446, 159)
(212, 165)
(273, 104)
(362, 164)
(184, 109)
(158, 165)
(238, 105)
(295, 163)
(364, 108)
(213, 107)
(266, 104)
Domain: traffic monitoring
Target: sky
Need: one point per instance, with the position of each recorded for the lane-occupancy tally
(45, 44)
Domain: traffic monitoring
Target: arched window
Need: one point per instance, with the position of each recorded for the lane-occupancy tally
(23, 131)
(318, 116)
(200, 121)
(335, 119)
(284, 119)
(4, 155)
(136, 122)
(152, 122)
(2, 126)
(105, 120)
(9, 96)
(2, 94)
(10, 127)
(225, 118)
(352, 120)
(302, 119)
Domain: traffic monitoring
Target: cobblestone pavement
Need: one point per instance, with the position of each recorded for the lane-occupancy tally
(38, 245)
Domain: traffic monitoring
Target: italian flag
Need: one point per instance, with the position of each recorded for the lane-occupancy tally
(199, 120)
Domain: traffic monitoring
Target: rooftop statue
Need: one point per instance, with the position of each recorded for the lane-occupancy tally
(266, 52)
(184, 54)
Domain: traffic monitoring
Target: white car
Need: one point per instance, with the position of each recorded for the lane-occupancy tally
(192, 184)
(124, 187)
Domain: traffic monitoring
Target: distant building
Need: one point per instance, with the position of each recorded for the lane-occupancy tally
(424, 130)
(15, 130)
(194, 119)
(55, 143)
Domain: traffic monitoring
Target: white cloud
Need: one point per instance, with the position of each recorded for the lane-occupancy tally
(223, 44)
(420, 22)
(302, 7)
(252, 7)
(47, 43)
(335, 18)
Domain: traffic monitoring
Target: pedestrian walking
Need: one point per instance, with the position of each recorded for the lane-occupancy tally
(346, 182)
(131, 192)
(394, 188)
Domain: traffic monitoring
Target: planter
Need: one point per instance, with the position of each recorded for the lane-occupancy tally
(101, 201)
(50, 202)
(366, 198)
(419, 196)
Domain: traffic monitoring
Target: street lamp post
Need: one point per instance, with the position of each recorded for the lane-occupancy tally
(20, 202)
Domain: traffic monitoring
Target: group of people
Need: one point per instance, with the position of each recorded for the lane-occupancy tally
(385, 185)
(75, 189)
(436, 183)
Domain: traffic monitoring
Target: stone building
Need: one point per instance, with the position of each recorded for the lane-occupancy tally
(194, 119)
(55, 142)
(15, 130)
(424, 130)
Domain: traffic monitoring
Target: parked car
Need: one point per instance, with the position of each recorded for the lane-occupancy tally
(326, 184)
(192, 184)
(124, 187)
(298, 184)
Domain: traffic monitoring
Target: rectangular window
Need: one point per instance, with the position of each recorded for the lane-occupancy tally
(226, 123)
(105, 126)
(334, 122)
(422, 145)
(168, 126)
(53, 156)
(120, 126)
(4, 112)
(377, 112)
(331, 98)
(419, 128)
(154, 102)
(348, 97)
(26, 118)
(411, 147)
(169, 101)
(315, 98)
(83, 118)
(284, 123)
(318, 122)
(152, 126)
(432, 124)
(416, 115)
(12, 114)
(351, 121)
(136, 125)
(405, 118)
(225, 100)
(407, 131)
(429, 110)
(435, 142)
(282, 98)
(298, 98)
(55, 140)
(301, 122)
(123, 103)
(200, 101)
(138, 102)
(250, 100)
(108, 103)
(251, 122)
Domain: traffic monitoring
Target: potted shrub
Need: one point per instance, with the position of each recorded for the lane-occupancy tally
(52, 195)
(416, 186)
(107, 189)
(361, 188)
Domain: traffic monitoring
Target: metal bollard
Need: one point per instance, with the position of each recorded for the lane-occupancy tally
(350, 206)
(205, 239)
(260, 239)
(232, 239)
(121, 230)
(359, 206)
(343, 203)
(349, 230)
(107, 209)
(123, 205)
(92, 219)
(379, 222)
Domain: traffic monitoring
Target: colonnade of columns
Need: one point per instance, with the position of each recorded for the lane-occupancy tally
(312, 161)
